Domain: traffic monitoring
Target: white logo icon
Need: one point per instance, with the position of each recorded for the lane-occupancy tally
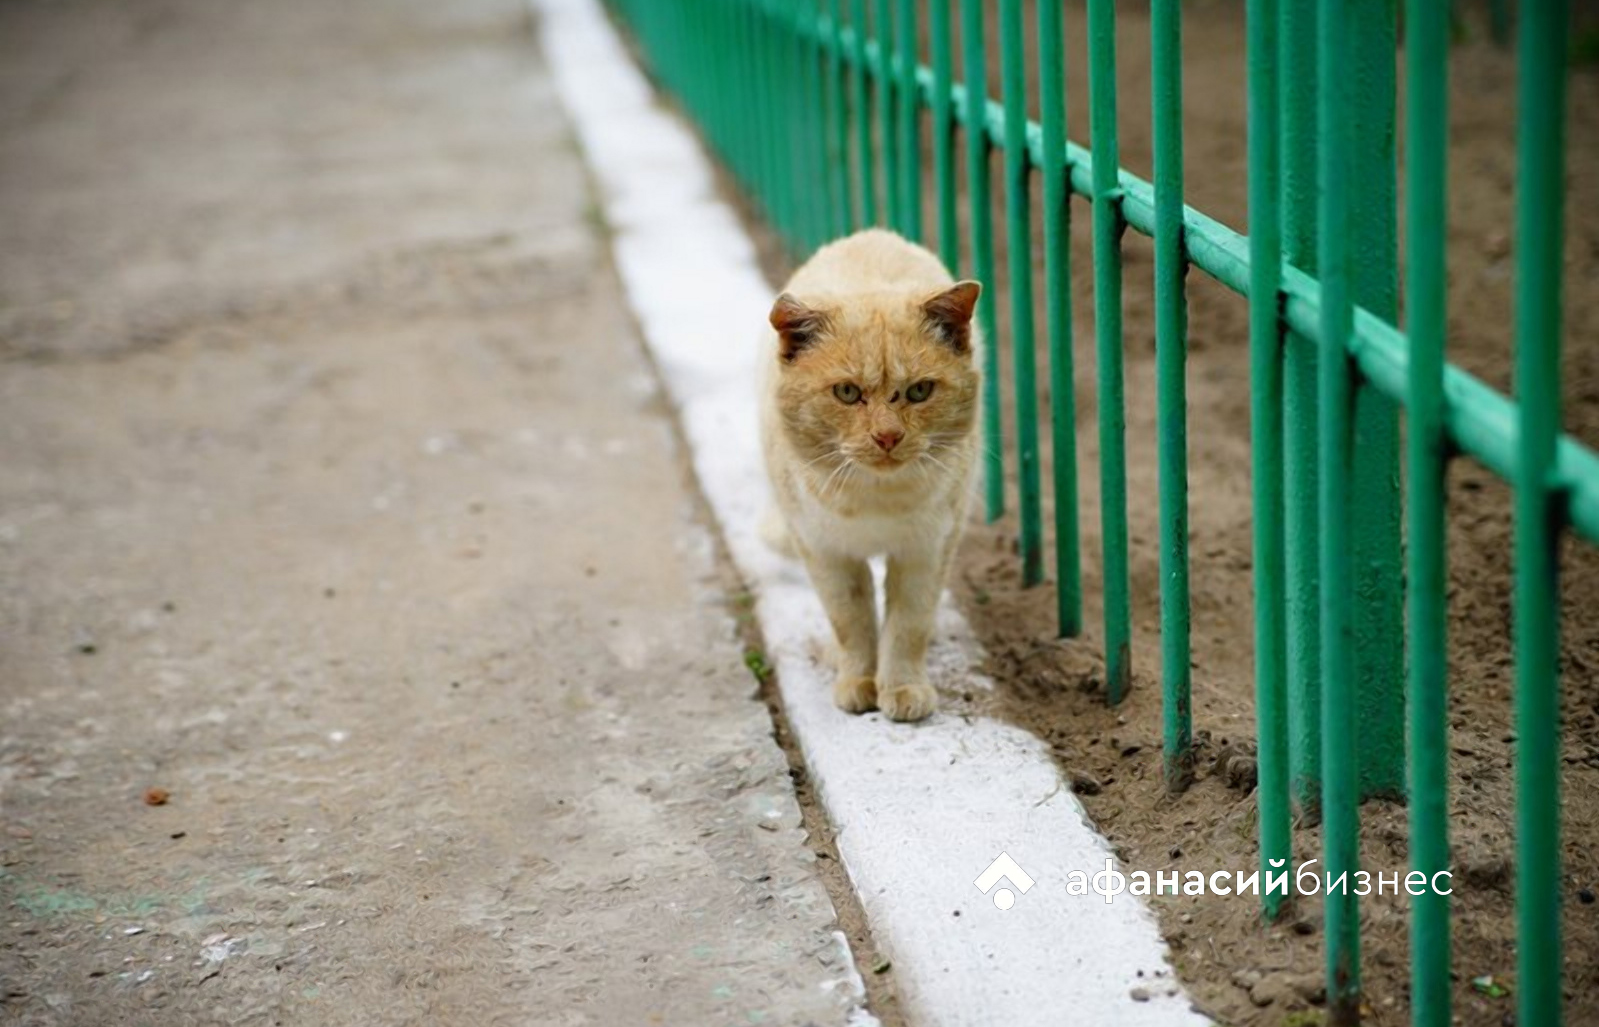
(1003, 867)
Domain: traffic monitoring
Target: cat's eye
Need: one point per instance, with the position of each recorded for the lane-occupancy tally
(919, 392)
(847, 392)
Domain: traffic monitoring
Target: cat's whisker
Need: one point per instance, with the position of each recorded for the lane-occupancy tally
(847, 467)
(836, 454)
(936, 439)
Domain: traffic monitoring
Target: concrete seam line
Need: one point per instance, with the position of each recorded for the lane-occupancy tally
(920, 810)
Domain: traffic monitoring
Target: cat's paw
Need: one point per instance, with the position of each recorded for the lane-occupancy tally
(914, 701)
(855, 694)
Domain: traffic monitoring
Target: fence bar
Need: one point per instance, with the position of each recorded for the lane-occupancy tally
(835, 220)
(910, 121)
(812, 109)
(1266, 446)
(1058, 296)
(978, 188)
(949, 242)
(1379, 617)
(1426, 127)
(1299, 150)
(713, 22)
(780, 83)
(1540, 196)
(702, 26)
(1335, 393)
(1108, 228)
(1171, 406)
(838, 141)
(777, 79)
(819, 130)
(1019, 237)
(760, 127)
(707, 28)
(755, 118)
(729, 127)
(760, 66)
(888, 138)
(744, 132)
(790, 134)
(863, 116)
(800, 109)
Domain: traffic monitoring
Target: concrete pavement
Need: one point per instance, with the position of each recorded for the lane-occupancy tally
(338, 503)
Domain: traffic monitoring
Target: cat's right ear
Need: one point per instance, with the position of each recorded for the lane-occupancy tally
(797, 326)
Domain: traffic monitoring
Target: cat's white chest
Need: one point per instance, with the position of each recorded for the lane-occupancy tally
(856, 526)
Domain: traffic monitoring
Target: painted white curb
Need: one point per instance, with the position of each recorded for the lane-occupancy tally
(920, 810)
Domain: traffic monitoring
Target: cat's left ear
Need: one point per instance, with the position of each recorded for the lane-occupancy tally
(949, 314)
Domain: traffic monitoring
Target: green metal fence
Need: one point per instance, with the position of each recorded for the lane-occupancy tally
(819, 109)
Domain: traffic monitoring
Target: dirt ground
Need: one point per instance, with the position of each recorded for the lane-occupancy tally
(1055, 686)
(363, 657)
(1241, 971)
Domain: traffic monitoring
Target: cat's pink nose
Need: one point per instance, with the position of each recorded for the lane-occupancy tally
(887, 440)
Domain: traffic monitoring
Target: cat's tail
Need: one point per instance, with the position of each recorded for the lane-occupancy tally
(774, 532)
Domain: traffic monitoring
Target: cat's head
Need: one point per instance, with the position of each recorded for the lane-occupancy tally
(880, 380)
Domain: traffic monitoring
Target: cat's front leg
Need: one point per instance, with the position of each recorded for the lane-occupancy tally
(845, 587)
(911, 602)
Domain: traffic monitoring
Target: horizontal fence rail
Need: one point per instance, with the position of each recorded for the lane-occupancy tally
(821, 109)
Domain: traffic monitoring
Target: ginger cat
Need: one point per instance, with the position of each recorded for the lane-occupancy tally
(869, 404)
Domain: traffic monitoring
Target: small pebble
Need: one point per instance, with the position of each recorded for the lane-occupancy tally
(1139, 994)
(1083, 784)
(1585, 896)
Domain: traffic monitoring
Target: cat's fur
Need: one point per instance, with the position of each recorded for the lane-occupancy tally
(856, 476)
